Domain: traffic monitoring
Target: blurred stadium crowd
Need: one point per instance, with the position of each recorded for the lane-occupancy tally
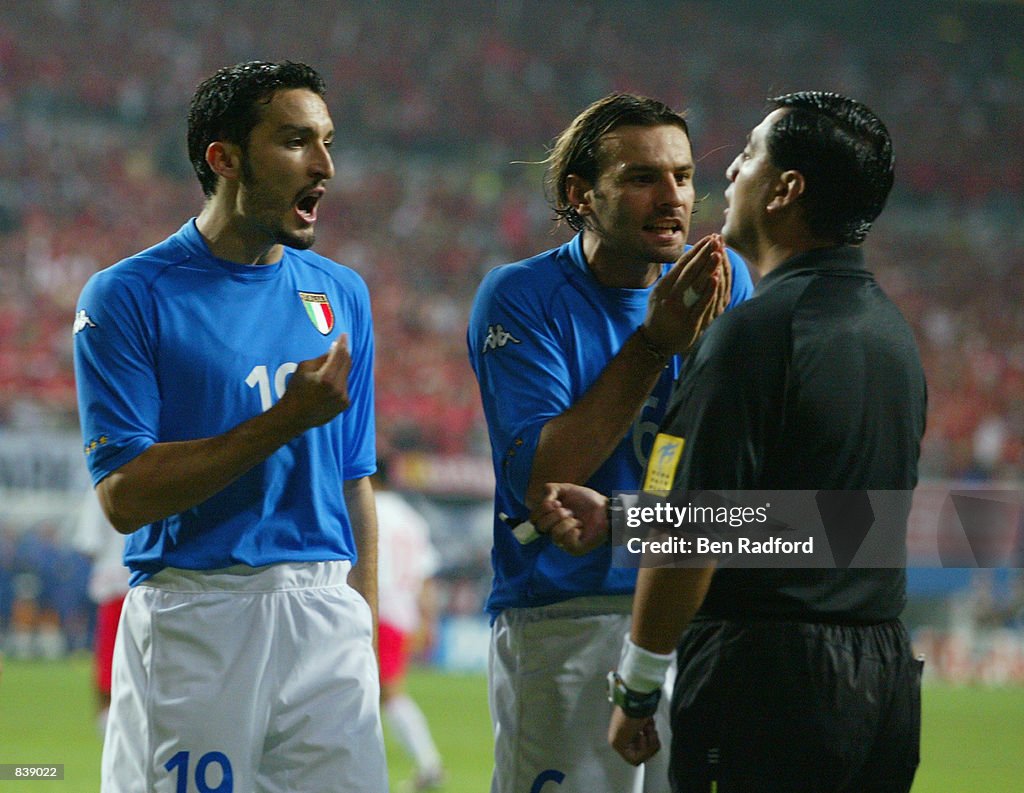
(443, 112)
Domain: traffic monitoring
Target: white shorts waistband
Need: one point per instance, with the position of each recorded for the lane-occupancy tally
(242, 578)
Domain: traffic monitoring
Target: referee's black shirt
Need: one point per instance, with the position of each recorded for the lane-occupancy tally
(815, 383)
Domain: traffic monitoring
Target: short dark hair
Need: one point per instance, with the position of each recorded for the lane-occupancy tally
(227, 105)
(577, 148)
(844, 153)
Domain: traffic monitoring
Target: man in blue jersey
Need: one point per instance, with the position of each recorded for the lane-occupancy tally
(226, 398)
(575, 351)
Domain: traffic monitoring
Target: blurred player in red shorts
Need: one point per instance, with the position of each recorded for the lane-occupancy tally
(406, 563)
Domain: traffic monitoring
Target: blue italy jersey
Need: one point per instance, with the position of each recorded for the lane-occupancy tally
(540, 333)
(174, 344)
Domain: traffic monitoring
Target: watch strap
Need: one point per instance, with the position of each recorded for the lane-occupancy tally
(634, 704)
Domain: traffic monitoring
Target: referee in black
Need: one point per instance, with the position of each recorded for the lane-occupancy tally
(789, 679)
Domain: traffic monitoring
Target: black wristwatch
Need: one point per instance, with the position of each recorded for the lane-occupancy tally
(633, 703)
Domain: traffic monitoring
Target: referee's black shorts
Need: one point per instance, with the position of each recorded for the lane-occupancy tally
(789, 707)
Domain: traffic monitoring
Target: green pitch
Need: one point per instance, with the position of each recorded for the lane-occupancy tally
(973, 738)
(47, 717)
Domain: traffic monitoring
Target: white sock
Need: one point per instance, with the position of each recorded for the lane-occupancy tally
(410, 727)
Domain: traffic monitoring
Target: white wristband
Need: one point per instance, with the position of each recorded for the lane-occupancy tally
(641, 670)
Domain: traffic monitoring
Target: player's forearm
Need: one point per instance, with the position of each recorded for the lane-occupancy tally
(666, 599)
(172, 477)
(362, 513)
(575, 444)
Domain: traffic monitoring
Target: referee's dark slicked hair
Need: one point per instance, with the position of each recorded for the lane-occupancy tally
(577, 150)
(227, 105)
(844, 153)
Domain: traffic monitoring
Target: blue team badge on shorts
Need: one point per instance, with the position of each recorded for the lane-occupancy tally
(319, 310)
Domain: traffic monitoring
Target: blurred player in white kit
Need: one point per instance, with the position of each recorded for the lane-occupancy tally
(406, 563)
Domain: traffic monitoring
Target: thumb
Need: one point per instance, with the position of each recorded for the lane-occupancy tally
(551, 491)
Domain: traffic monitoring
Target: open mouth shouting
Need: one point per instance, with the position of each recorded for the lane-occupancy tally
(306, 204)
(666, 230)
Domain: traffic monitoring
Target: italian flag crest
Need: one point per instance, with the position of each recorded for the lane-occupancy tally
(318, 307)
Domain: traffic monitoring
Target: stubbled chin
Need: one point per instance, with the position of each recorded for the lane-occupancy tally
(300, 240)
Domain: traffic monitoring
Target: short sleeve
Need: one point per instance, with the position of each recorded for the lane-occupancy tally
(521, 365)
(358, 421)
(118, 392)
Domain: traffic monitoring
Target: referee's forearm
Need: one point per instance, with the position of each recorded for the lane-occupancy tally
(666, 600)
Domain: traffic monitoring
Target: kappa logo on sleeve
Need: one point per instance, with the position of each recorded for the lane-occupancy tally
(498, 337)
(661, 468)
(82, 321)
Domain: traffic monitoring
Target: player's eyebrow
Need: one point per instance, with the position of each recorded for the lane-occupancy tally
(640, 168)
(300, 129)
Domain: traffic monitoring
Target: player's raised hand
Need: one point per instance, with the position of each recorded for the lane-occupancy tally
(689, 296)
(636, 740)
(574, 517)
(723, 289)
(318, 389)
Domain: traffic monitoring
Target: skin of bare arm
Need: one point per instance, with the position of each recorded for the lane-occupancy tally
(573, 445)
(172, 477)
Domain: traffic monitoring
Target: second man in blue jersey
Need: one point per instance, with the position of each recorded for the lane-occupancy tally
(575, 351)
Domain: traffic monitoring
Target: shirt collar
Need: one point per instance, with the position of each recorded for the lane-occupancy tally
(844, 257)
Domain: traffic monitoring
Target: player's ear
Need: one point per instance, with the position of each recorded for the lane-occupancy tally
(788, 187)
(224, 159)
(578, 191)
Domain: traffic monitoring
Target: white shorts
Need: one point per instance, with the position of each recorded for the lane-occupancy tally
(549, 701)
(242, 680)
